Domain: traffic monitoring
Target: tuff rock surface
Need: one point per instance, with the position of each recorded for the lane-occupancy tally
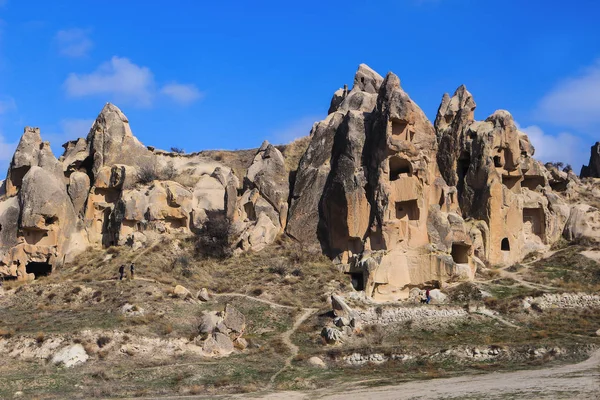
(395, 200)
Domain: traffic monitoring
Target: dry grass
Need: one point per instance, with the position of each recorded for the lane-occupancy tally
(567, 269)
(294, 151)
(284, 271)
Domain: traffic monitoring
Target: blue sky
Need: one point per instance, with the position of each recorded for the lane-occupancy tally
(207, 75)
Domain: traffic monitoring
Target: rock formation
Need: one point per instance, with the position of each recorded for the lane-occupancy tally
(395, 200)
(592, 170)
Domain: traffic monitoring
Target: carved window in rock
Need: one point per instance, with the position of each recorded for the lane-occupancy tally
(533, 219)
(460, 253)
(511, 182)
(505, 245)
(531, 182)
(399, 167)
(402, 130)
(407, 210)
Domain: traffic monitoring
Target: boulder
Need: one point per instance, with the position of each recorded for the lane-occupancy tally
(583, 222)
(317, 362)
(203, 295)
(437, 297)
(331, 335)
(181, 292)
(209, 322)
(341, 309)
(234, 320)
(70, 356)
(218, 344)
(267, 173)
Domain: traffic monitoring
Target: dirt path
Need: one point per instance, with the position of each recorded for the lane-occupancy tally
(575, 381)
(504, 273)
(287, 339)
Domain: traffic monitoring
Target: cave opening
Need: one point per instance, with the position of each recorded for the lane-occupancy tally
(399, 167)
(460, 253)
(38, 269)
(511, 182)
(531, 182)
(407, 210)
(358, 280)
(505, 245)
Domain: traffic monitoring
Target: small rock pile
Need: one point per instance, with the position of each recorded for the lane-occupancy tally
(221, 331)
(344, 324)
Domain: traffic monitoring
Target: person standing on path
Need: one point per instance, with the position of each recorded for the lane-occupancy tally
(428, 296)
(121, 272)
(132, 270)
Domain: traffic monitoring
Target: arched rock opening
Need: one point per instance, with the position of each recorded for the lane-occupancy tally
(38, 268)
(505, 245)
(399, 167)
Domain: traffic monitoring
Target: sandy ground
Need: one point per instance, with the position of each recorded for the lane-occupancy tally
(576, 381)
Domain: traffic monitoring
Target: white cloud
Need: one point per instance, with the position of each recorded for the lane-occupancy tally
(574, 102)
(119, 79)
(181, 93)
(564, 147)
(295, 129)
(74, 42)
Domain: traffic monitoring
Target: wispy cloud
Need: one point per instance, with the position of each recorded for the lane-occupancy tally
(74, 42)
(118, 79)
(294, 129)
(121, 81)
(564, 147)
(574, 102)
(181, 93)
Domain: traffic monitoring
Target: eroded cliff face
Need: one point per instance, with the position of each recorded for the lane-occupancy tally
(394, 199)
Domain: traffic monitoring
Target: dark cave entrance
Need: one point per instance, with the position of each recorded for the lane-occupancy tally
(460, 253)
(358, 280)
(38, 269)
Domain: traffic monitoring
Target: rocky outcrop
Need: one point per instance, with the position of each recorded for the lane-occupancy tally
(105, 190)
(221, 331)
(261, 211)
(497, 181)
(395, 200)
(592, 170)
(306, 221)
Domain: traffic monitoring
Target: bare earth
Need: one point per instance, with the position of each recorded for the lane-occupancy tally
(576, 381)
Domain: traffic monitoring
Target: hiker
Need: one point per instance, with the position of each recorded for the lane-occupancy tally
(427, 296)
(132, 269)
(121, 272)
